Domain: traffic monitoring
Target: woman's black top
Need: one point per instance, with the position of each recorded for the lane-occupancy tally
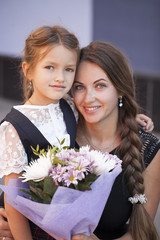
(113, 222)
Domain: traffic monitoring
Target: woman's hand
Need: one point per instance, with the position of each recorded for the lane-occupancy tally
(4, 226)
(145, 122)
(83, 237)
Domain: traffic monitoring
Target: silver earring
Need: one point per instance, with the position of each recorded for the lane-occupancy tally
(30, 85)
(120, 104)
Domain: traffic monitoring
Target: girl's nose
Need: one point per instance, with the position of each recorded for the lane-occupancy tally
(59, 76)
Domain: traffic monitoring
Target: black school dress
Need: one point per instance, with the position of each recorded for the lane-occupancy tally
(31, 136)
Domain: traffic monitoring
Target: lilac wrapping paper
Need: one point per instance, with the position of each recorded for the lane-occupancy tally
(70, 212)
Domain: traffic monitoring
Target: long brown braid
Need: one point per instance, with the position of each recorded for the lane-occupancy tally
(116, 67)
(141, 225)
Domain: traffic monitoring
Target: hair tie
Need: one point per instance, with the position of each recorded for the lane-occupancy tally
(138, 198)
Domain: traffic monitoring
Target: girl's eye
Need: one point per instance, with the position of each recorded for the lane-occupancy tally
(49, 67)
(69, 69)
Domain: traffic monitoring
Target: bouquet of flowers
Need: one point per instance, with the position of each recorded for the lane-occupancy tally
(65, 190)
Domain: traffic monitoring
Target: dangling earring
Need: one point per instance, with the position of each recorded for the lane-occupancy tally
(120, 104)
(30, 85)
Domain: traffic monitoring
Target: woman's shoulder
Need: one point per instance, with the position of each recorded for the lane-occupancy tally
(151, 145)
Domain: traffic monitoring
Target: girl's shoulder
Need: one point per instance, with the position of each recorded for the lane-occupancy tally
(151, 145)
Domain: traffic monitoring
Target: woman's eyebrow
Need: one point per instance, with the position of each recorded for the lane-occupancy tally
(78, 82)
(101, 79)
(98, 80)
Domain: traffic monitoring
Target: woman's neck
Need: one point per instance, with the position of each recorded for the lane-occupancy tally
(100, 136)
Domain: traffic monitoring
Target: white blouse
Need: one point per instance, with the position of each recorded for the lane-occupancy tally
(49, 121)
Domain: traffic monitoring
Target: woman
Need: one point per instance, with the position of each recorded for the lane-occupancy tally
(104, 94)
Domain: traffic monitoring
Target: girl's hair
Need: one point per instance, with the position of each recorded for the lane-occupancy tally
(45, 37)
(116, 67)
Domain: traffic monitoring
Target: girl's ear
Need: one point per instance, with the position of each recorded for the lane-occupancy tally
(25, 68)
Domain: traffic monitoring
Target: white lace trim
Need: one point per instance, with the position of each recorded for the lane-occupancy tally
(12, 155)
(48, 119)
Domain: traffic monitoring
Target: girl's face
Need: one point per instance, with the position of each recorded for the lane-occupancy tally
(53, 76)
(94, 94)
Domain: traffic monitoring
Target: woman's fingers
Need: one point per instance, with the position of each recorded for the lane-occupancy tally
(4, 226)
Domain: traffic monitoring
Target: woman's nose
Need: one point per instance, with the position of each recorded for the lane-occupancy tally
(90, 96)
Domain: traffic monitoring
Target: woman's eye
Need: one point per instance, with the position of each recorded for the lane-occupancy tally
(49, 67)
(99, 86)
(78, 87)
(69, 69)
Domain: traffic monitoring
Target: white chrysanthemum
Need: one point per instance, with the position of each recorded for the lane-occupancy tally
(103, 161)
(84, 149)
(38, 169)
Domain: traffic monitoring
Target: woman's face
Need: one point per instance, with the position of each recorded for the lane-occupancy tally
(94, 94)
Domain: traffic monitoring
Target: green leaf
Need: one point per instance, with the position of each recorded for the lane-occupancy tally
(39, 194)
(65, 147)
(49, 186)
(25, 191)
(56, 161)
(62, 141)
(37, 149)
(33, 195)
(39, 184)
(86, 182)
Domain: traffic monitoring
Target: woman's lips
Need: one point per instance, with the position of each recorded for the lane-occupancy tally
(91, 109)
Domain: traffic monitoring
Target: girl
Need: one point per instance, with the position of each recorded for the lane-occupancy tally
(104, 95)
(49, 65)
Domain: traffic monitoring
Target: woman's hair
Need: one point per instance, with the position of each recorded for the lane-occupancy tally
(45, 37)
(116, 67)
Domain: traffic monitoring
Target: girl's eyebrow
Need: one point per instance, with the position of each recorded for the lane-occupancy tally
(55, 63)
(71, 65)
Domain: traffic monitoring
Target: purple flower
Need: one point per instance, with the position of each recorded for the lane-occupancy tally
(57, 173)
(71, 177)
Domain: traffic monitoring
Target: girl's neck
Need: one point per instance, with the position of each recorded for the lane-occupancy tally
(36, 102)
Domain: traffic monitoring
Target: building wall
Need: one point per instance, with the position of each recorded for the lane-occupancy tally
(18, 18)
(134, 27)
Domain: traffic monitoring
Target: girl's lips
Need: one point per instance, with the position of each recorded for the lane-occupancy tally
(57, 86)
(91, 109)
